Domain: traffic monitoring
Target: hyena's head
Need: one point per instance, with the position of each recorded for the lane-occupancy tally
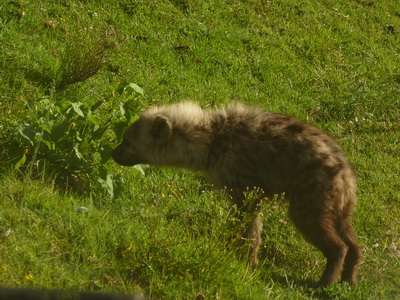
(142, 140)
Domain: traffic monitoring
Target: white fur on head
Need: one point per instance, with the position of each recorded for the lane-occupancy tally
(186, 112)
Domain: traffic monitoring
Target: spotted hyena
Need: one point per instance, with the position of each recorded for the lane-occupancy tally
(241, 147)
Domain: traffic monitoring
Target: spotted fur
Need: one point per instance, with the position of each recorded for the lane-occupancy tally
(241, 147)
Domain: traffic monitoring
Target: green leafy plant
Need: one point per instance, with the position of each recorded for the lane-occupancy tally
(74, 142)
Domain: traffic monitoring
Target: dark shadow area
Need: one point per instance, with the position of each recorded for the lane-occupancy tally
(28, 294)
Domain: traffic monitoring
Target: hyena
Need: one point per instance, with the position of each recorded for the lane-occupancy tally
(243, 147)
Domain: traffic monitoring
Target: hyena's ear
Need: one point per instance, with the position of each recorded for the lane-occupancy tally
(161, 129)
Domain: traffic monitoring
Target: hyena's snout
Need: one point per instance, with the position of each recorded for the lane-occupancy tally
(122, 156)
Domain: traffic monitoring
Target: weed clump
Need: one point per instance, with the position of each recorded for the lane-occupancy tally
(84, 55)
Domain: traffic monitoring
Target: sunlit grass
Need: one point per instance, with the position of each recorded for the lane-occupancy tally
(168, 234)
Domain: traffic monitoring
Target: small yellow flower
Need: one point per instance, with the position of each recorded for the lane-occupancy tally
(162, 195)
(261, 214)
(28, 277)
(4, 268)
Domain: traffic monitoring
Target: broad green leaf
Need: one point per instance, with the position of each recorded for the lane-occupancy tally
(141, 168)
(59, 131)
(107, 184)
(98, 132)
(62, 106)
(121, 87)
(28, 132)
(122, 109)
(95, 106)
(77, 108)
(50, 144)
(92, 118)
(129, 89)
(128, 109)
(47, 126)
(77, 152)
(20, 162)
(136, 88)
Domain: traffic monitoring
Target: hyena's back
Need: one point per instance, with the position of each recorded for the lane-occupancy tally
(277, 153)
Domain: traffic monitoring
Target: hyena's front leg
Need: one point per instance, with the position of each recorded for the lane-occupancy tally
(253, 234)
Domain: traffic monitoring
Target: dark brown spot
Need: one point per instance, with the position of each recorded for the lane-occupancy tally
(295, 128)
(333, 170)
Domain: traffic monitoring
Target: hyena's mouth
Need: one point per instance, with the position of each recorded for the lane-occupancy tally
(124, 158)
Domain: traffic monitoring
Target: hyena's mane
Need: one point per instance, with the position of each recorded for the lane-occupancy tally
(183, 115)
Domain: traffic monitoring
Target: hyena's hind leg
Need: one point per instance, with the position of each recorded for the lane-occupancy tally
(353, 256)
(319, 229)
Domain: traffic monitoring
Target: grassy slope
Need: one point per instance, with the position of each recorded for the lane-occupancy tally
(333, 63)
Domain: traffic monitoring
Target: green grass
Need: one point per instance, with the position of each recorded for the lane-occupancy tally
(67, 70)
